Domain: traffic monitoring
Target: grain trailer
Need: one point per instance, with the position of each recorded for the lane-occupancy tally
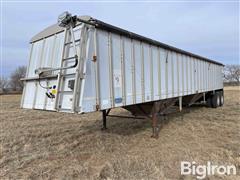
(82, 65)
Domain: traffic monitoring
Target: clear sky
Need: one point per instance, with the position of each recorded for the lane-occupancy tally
(210, 29)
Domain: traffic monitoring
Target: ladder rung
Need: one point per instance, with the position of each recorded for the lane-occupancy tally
(72, 42)
(71, 74)
(72, 57)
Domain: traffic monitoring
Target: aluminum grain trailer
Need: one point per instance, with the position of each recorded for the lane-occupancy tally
(84, 65)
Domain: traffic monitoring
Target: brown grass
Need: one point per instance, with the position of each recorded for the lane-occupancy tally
(39, 144)
(236, 88)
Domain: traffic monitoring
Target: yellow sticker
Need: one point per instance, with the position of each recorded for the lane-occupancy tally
(54, 91)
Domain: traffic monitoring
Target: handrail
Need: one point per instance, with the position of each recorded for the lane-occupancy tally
(39, 71)
(37, 78)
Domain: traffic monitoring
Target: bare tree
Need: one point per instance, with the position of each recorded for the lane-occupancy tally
(3, 84)
(15, 82)
(232, 73)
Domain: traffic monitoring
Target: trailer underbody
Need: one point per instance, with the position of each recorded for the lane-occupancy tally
(156, 111)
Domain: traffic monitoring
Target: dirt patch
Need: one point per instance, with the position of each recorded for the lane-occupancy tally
(39, 144)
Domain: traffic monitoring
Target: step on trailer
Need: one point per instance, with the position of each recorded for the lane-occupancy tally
(82, 65)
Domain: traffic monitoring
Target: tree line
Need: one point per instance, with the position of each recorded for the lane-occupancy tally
(14, 84)
(231, 74)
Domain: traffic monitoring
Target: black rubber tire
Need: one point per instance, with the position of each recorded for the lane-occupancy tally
(216, 100)
(221, 98)
(209, 101)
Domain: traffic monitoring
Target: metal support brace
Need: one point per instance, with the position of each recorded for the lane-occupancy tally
(195, 98)
(158, 109)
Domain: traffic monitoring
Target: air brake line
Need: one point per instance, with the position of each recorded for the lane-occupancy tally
(44, 87)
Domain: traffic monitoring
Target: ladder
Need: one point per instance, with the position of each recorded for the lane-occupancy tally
(68, 40)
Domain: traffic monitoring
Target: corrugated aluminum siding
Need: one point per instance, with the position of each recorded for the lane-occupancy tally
(127, 71)
(149, 73)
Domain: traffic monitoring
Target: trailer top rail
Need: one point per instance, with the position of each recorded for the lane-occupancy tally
(54, 29)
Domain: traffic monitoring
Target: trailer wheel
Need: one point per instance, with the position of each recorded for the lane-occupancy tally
(216, 100)
(209, 102)
(221, 98)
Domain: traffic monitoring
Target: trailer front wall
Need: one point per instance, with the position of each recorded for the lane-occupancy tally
(48, 52)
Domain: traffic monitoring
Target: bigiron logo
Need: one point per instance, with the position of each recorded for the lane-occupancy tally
(202, 171)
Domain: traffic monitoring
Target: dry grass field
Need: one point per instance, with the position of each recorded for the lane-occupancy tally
(48, 145)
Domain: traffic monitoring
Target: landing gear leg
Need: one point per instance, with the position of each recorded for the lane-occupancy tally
(104, 118)
(155, 127)
(155, 113)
